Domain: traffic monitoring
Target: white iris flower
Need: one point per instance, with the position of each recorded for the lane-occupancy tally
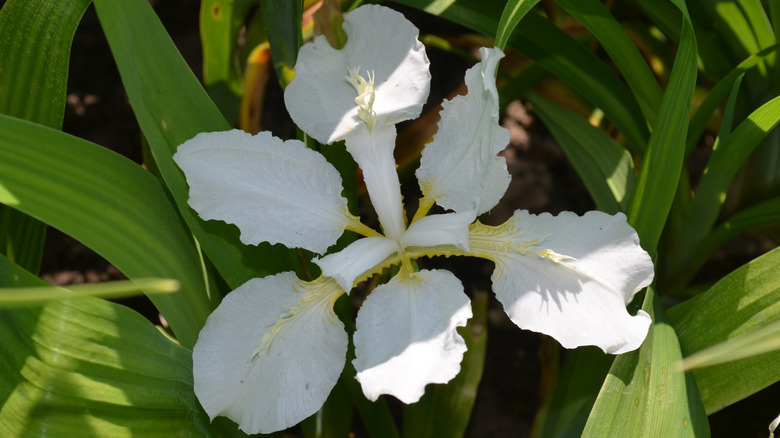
(272, 351)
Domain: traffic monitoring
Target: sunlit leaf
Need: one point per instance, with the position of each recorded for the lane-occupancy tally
(762, 340)
(88, 367)
(514, 11)
(33, 84)
(725, 162)
(662, 163)
(31, 296)
(743, 302)
(111, 205)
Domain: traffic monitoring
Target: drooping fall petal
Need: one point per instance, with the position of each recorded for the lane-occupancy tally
(406, 334)
(381, 45)
(274, 191)
(569, 276)
(270, 354)
(459, 169)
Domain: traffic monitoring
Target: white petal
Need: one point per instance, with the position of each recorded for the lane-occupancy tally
(569, 277)
(373, 152)
(380, 40)
(356, 259)
(270, 354)
(274, 191)
(459, 169)
(406, 335)
(440, 229)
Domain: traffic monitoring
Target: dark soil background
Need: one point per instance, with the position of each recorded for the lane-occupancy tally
(543, 180)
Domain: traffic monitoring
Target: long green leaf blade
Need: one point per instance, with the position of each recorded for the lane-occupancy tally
(662, 164)
(283, 26)
(514, 11)
(707, 107)
(89, 367)
(763, 340)
(111, 205)
(33, 84)
(36, 296)
(724, 164)
(765, 213)
(220, 25)
(35, 40)
(741, 303)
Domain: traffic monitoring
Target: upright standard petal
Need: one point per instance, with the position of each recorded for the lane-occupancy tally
(460, 169)
(270, 354)
(382, 48)
(373, 152)
(569, 277)
(406, 335)
(274, 191)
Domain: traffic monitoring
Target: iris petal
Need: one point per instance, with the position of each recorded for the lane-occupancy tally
(381, 43)
(459, 169)
(270, 354)
(406, 335)
(274, 191)
(569, 276)
(359, 257)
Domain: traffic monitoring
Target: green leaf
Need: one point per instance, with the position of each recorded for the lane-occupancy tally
(514, 11)
(32, 296)
(643, 395)
(703, 114)
(445, 410)
(746, 29)
(689, 263)
(171, 107)
(283, 26)
(33, 83)
(663, 161)
(112, 206)
(763, 340)
(89, 367)
(603, 165)
(35, 39)
(220, 24)
(743, 302)
(621, 50)
(724, 164)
